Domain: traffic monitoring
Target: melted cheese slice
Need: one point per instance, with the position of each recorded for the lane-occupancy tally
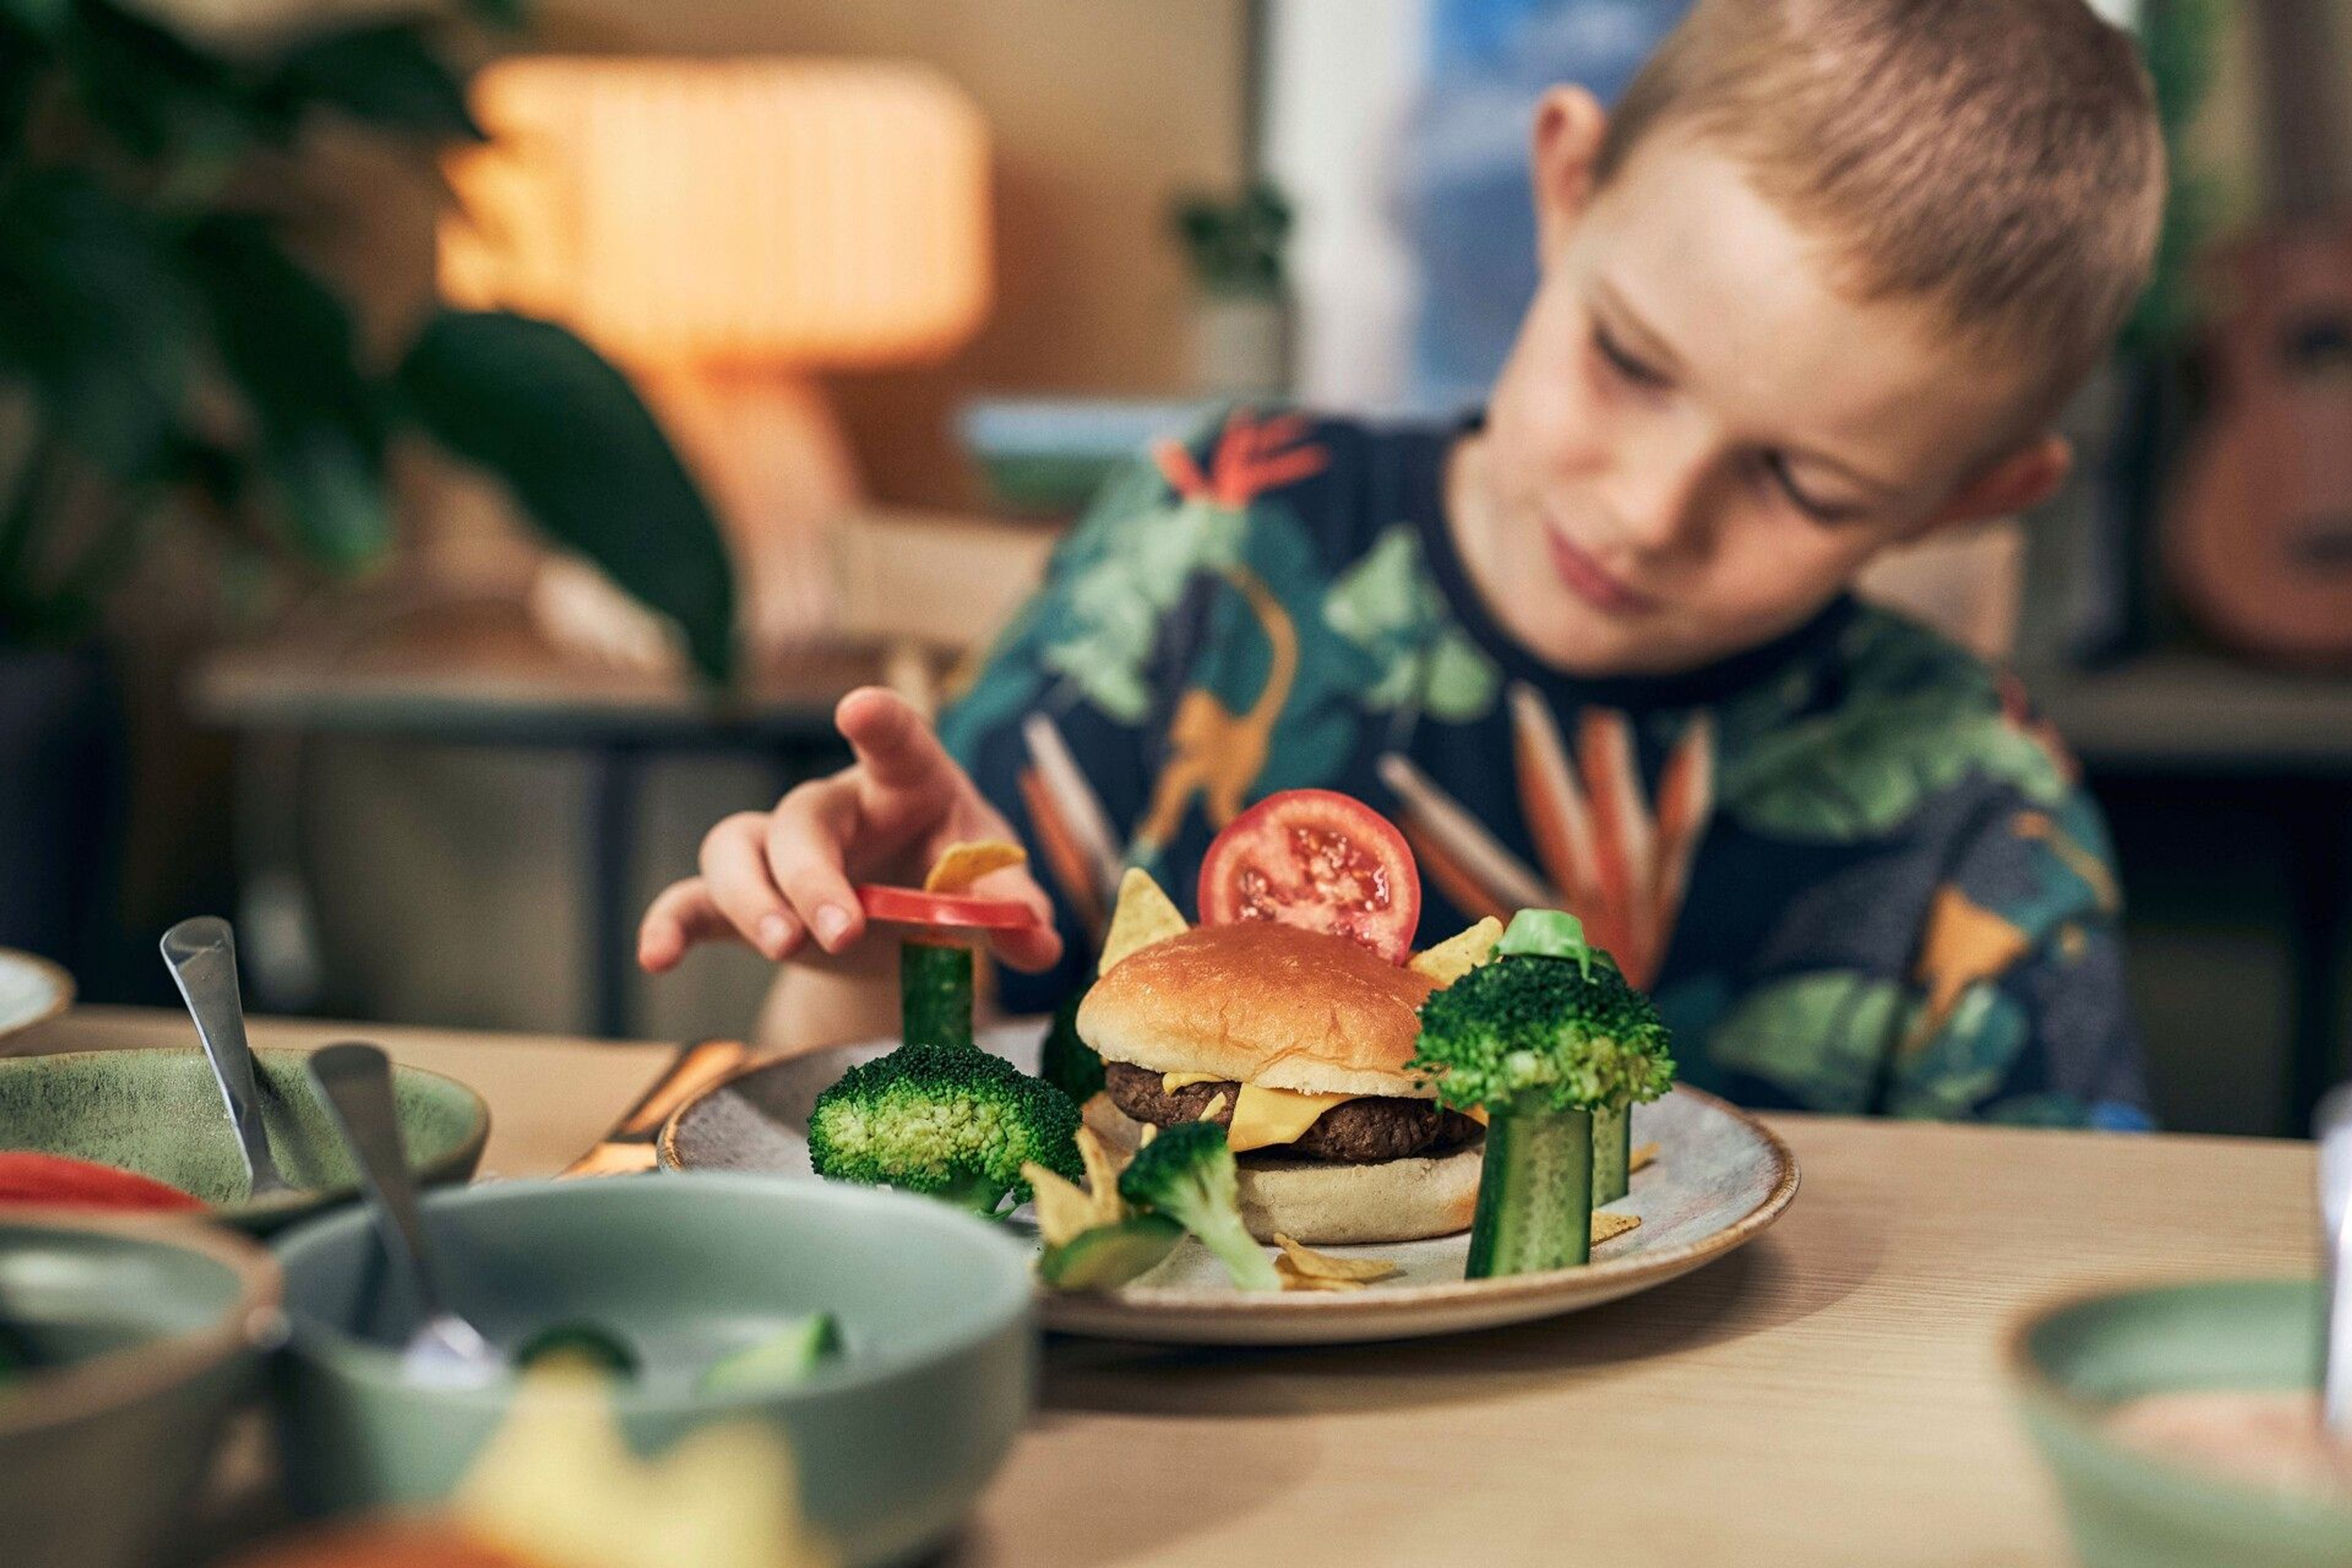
(1169, 1082)
(1263, 1116)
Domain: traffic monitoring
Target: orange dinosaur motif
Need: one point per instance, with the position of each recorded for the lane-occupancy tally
(1216, 752)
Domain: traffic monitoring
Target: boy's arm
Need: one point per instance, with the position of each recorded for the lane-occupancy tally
(2022, 1012)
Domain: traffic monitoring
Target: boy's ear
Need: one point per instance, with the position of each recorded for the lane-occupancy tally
(2017, 482)
(1569, 126)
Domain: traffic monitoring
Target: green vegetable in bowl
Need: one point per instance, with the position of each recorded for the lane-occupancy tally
(785, 1357)
(1068, 1062)
(1188, 1174)
(1541, 1039)
(597, 1347)
(947, 1120)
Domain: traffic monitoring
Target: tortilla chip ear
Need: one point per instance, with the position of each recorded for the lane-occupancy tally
(961, 865)
(1457, 956)
(1144, 915)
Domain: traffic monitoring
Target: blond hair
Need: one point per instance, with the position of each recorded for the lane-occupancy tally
(2000, 160)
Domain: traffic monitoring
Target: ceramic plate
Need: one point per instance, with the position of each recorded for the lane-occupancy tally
(1719, 1179)
(32, 991)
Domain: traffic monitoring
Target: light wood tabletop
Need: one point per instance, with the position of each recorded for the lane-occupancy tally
(1832, 1394)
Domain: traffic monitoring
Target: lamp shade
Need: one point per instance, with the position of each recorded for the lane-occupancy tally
(820, 213)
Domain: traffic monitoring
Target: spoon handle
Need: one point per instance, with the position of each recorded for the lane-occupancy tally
(202, 956)
(2333, 1127)
(355, 1081)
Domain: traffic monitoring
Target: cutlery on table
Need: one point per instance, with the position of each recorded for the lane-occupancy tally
(202, 956)
(355, 1081)
(628, 1148)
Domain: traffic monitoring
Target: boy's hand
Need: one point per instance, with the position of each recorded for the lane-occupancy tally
(773, 879)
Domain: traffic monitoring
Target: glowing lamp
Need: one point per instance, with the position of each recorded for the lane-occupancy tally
(723, 229)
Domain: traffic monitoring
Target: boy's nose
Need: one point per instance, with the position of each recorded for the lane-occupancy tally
(1660, 495)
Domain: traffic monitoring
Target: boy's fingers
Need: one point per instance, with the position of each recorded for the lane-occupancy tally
(680, 915)
(735, 875)
(894, 743)
(802, 851)
(1032, 948)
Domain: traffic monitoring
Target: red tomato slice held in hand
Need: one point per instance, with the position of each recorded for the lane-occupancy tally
(1321, 861)
(913, 907)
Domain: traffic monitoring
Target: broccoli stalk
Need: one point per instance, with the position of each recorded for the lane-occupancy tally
(947, 1120)
(1547, 1040)
(1612, 1153)
(1188, 1173)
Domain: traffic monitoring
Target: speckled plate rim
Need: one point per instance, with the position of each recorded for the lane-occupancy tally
(126, 1376)
(62, 987)
(1134, 1311)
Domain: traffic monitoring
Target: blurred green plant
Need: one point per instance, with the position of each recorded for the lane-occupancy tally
(2180, 41)
(160, 340)
(1235, 246)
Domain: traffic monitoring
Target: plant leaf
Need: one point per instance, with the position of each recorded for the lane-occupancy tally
(388, 74)
(161, 97)
(40, 17)
(287, 342)
(533, 403)
(95, 315)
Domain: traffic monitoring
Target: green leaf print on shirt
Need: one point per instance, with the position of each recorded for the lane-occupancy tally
(1113, 603)
(1917, 715)
(1819, 1037)
(1387, 605)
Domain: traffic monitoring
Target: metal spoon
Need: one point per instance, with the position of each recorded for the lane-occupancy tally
(202, 954)
(355, 1081)
(2333, 1126)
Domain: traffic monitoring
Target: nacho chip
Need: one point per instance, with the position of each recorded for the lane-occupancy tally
(1064, 1209)
(1145, 914)
(1316, 1264)
(1607, 1226)
(1102, 1178)
(1458, 954)
(1292, 1280)
(1641, 1157)
(961, 865)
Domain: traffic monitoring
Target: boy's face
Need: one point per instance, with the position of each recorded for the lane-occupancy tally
(1698, 440)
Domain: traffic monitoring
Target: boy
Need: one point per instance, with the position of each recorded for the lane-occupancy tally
(1818, 289)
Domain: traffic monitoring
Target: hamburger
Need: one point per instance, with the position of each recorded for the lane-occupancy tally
(1296, 1041)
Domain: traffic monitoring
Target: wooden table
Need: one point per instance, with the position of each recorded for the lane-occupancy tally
(1832, 1394)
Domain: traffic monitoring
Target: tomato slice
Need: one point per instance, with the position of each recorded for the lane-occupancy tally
(913, 907)
(29, 1177)
(1320, 861)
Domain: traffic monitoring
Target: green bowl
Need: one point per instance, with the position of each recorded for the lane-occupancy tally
(142, 1334)
(2073, 1362)
(893, 1440)
(159, 1113)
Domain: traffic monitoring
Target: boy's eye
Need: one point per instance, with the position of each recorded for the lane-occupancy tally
(1819, 510)
(1623, 364)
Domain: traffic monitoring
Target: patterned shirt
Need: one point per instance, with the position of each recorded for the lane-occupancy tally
(1855, 870)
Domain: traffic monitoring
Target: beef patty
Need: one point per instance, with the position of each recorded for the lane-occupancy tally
(1358, 1131)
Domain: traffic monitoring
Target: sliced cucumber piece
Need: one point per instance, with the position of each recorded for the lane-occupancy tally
(1110, 1255)
(782, 1359)
(934, 994)
(1612, 1154)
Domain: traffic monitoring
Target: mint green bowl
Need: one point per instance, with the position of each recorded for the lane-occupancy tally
(159, 1113)
(2071, 1363)
(143, 1334)
(893, 1440)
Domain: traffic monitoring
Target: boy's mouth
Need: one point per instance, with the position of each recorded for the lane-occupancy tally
(1591, 582)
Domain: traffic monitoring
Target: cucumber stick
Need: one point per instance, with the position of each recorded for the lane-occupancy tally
(935, 994)
(1109, 1256)
(1535, 1193)
(1612, 1154)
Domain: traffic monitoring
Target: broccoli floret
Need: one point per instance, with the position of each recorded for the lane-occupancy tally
(1546, 1039)
(1564, 1034)
(1188, 1173)
(943, 1120)
(1068, 1062)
